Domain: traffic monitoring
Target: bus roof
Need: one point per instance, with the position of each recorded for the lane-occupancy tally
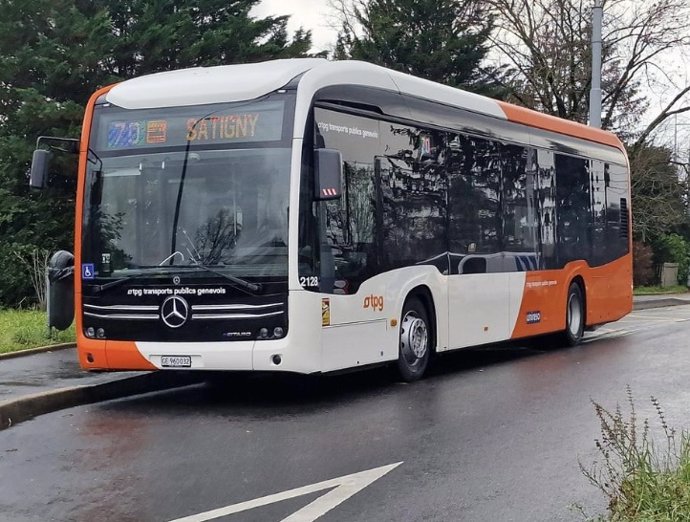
(229, 83)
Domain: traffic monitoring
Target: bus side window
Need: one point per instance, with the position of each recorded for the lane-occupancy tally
(474, 178)
(546, 209)
(413, 187)
(573, 203)
(348, 224)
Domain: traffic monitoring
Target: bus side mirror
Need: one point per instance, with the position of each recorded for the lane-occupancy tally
(328, 174)
(60, 282)
(40, 162)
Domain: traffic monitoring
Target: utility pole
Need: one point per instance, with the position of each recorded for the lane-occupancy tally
(595, 92)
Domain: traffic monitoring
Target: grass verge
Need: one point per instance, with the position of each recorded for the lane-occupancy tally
(644, 476)
(660, 290)
(24, 329)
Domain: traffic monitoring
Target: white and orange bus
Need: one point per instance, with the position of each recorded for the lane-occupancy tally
(312, 216)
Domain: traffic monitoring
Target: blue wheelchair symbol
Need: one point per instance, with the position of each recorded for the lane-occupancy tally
(87, 271)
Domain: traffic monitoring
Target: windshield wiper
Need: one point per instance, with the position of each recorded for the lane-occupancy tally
(242, 284)
(97, 289)
(251, 288)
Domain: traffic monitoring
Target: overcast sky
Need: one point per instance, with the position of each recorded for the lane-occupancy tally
(310, 14)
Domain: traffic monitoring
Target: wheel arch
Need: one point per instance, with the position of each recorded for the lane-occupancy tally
(424, 294)
(580, 281)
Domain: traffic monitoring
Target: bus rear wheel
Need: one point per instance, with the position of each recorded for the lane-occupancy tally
(415, 341)
(574, 316)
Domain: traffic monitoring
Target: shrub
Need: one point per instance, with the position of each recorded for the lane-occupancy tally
(642, 479)
(673, 248)
(643, 270)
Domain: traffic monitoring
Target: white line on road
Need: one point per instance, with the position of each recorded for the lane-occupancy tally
(345, 487)
(660, 318)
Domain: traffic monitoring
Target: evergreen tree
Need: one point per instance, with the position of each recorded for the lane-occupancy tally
(440, 40)
(55, 53)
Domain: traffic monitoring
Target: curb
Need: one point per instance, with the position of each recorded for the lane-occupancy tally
(660, 303)
(14, 411)
(40, 349)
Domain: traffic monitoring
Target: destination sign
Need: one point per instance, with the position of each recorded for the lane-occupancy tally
(229, 123)
(228, 127)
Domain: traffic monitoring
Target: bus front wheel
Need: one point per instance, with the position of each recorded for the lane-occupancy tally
(415, 341)
(574, 316)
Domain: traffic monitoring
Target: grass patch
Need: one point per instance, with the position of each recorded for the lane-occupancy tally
(660, 290)
(644, 477)
(24, 329)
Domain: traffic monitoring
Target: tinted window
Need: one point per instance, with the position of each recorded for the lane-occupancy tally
(463, 203)
(412, 181)
(546, 209)
(601, 254)
(393, 209)
(474, 171)
(573, 226)
(616, 181)
(519, 198)
(348, 225)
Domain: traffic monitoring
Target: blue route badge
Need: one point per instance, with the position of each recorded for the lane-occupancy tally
(87, 271)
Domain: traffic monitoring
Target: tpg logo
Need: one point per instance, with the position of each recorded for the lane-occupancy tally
(375, 302)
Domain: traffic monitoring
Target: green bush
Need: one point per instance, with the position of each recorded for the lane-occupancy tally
(674, 248)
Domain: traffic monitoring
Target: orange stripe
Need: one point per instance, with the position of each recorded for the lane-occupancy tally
(86, 348)
(607, 292)
(81, 180)
(124, 355)
(103, 354)
(552, 123)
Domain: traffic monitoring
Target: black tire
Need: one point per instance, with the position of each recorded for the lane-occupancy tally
(414, 340)
(574, 316)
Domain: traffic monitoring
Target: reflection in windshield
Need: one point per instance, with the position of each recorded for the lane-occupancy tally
(232, 212)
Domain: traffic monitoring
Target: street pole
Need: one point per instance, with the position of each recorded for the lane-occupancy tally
(595, 92)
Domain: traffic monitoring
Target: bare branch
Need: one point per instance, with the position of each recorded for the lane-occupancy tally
(548, 43)
(662, 116)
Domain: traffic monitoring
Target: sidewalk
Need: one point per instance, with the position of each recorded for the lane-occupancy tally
(47, 371)
(643, 302)
(39, 383)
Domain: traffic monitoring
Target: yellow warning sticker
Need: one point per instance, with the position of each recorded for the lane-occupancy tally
(325, 311)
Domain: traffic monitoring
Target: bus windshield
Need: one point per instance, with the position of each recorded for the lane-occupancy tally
(188, 186)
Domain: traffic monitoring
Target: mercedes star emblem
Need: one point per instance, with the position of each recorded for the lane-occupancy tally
(174, 311)
(176, 279)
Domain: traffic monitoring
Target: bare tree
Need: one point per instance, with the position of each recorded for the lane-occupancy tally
(547, 44)
(36, 263)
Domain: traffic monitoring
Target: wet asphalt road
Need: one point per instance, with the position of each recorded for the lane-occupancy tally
(491, 435)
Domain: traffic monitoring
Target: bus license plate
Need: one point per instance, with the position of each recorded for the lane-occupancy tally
(176, 361)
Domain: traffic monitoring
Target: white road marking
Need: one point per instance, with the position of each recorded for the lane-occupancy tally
(638, 321)
(345, 487)
(660, 318)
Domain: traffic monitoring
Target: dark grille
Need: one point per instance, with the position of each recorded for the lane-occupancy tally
(625, 218)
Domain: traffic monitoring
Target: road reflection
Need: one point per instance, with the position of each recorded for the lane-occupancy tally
(109, 443)
(260, 396)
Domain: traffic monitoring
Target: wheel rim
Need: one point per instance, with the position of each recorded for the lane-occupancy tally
(414, 337)
(574, 315)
